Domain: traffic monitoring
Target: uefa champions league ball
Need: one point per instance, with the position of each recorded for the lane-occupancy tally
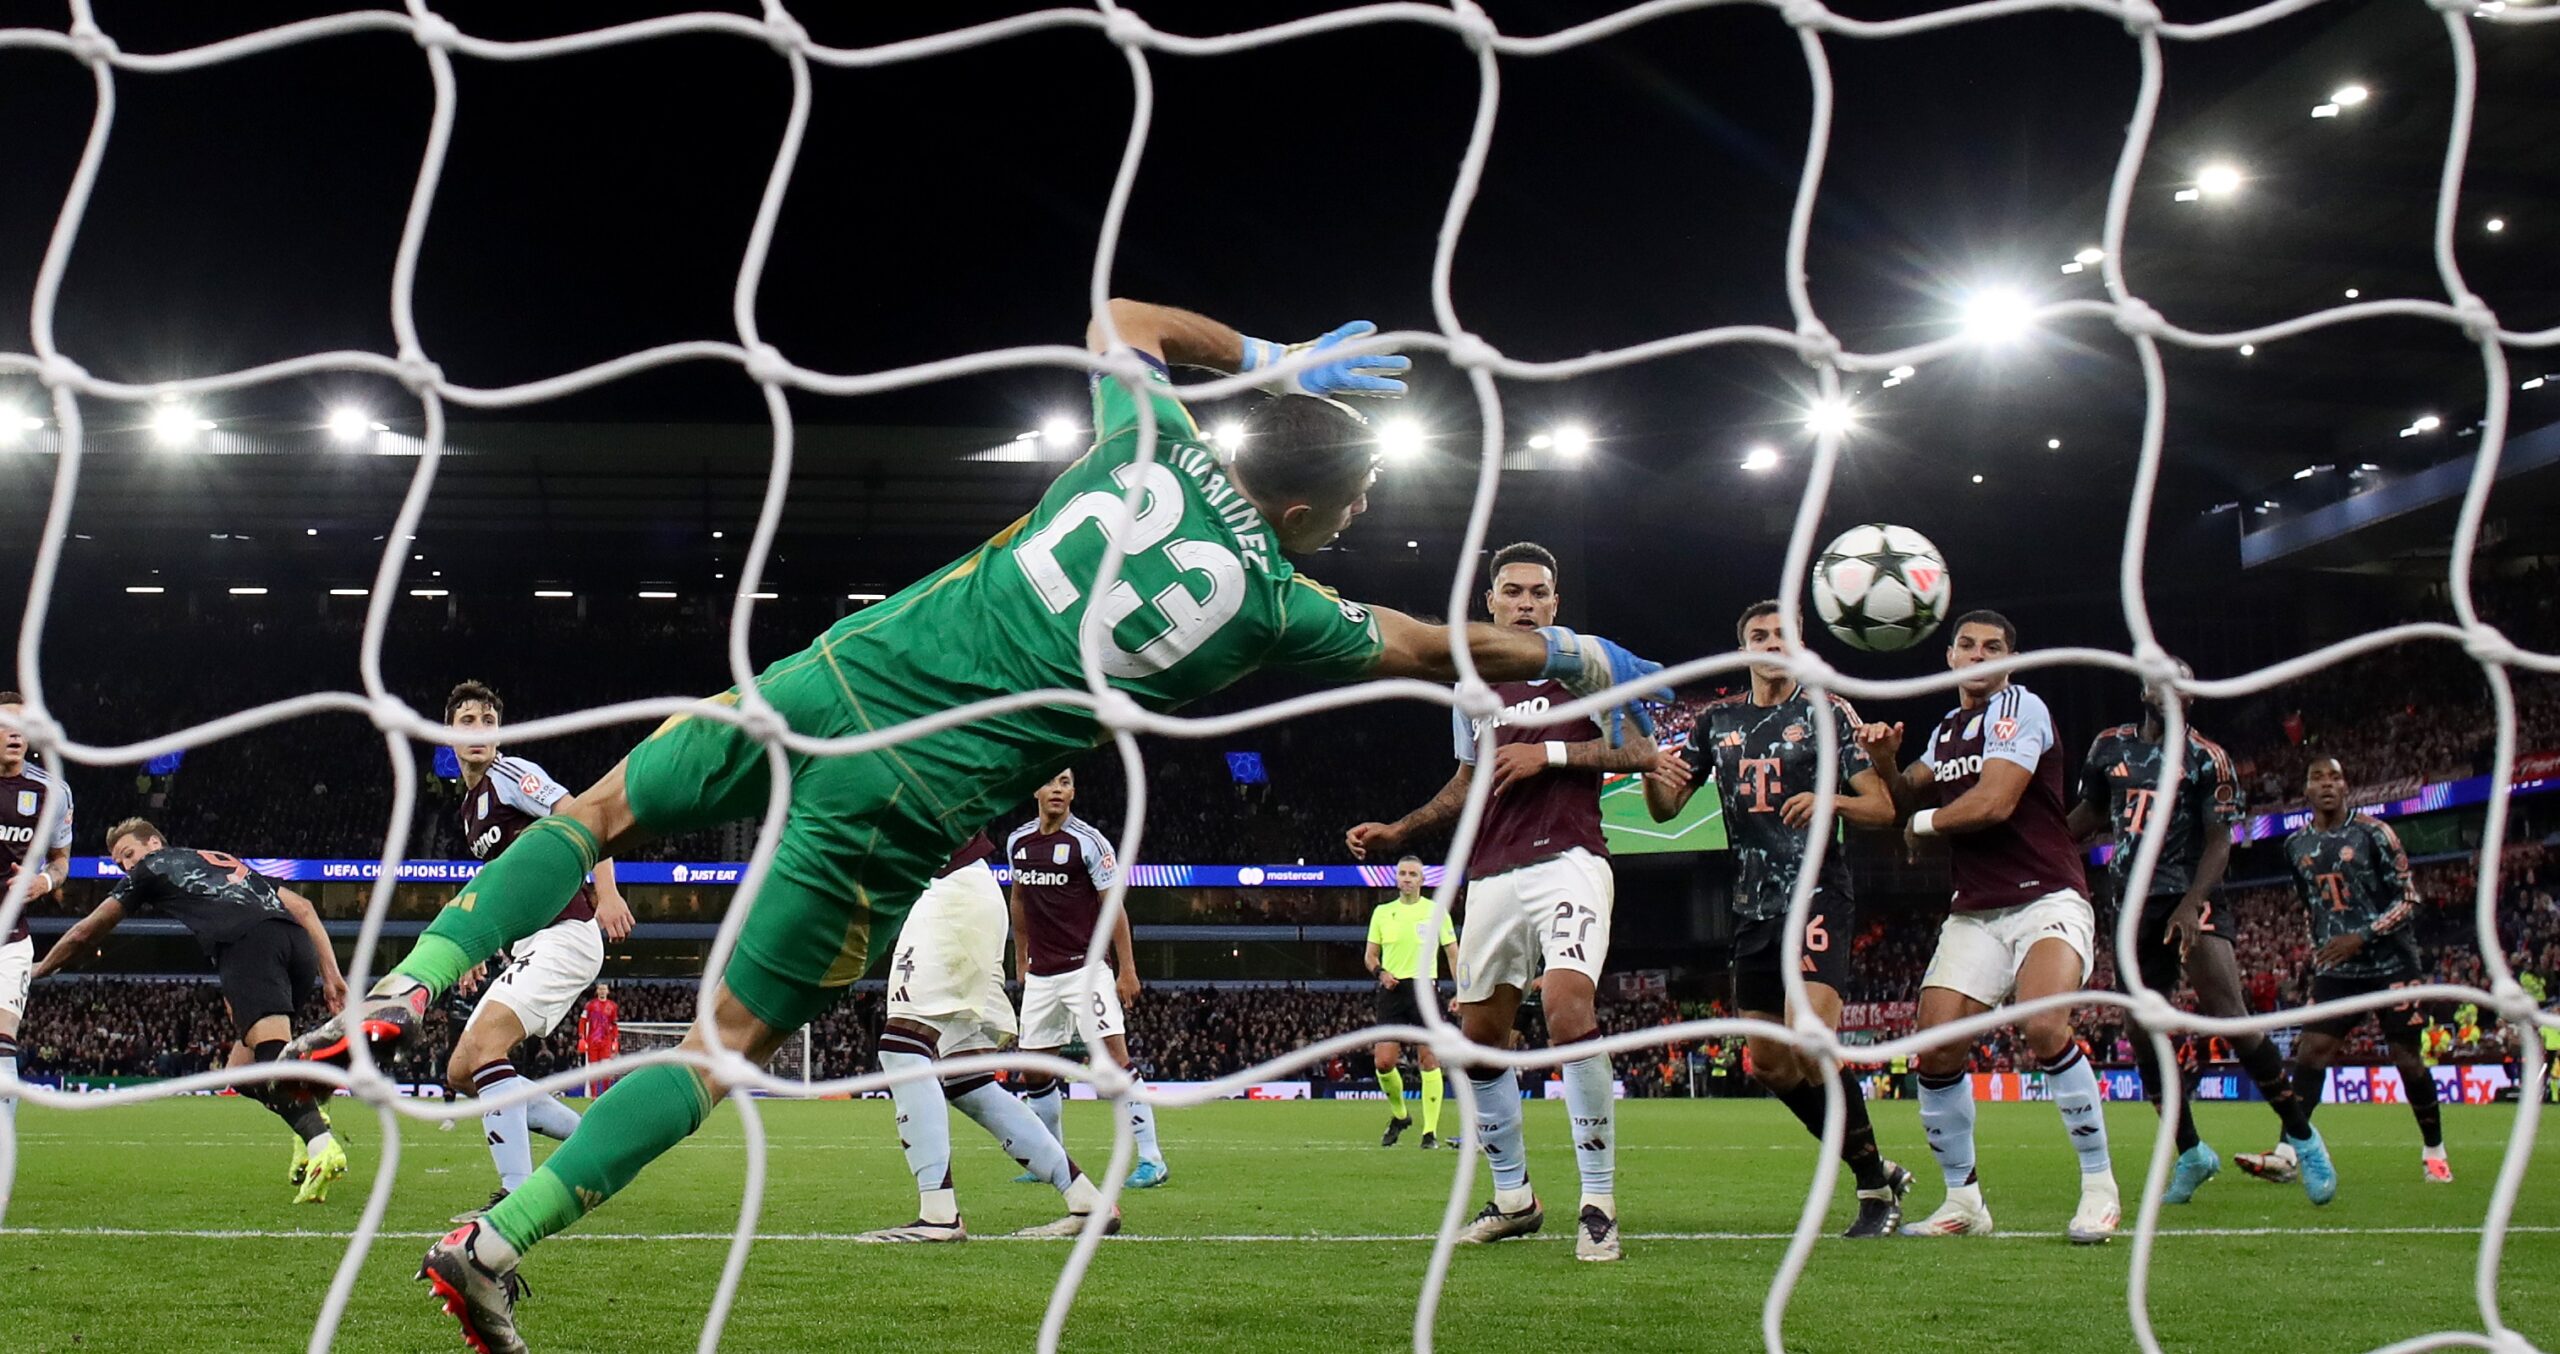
(1881, 588)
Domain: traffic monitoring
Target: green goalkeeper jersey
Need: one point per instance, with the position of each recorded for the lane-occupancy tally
(1204, 597)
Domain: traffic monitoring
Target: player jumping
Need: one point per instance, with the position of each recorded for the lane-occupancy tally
(1061, 866)
(2353, 877)
(544, 973)
(1538, 889)
(2021, 923)
(946, 998)
(267, 944)
(1396, 954)
(1206, 597)
(1760, 749)
(23, 785)
(2119, 794)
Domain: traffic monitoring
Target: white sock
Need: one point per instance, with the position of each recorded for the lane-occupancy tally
(924, 1130)
(550, 1118)
(1498, 1128)
(2435, 1153)
(2074, 1085)
(1594, 1114)
(1946, 1112)
(9, 1064)
(1051, 1106)
(1143, 1119)
(1020, 1133)
(510, 1143)
(491, 1250)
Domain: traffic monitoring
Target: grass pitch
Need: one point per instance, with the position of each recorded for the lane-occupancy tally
(1285, 1227)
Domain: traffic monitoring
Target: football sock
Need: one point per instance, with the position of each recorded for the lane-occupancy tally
(1498, 1128)
(2074, 1085)
(1048, 1100)
(645, 1113)
(1594, 1111)
(547, 1116)
(1016, 1129)
(2265, 1066)
(924, 1125)
(1142, 1118)
(293, 1101)
(1946, 1112)
(2308, 1084)
(510, 1144)
(2155, 1081)
(2422, 1103)
(1857, 1132)
(1391, 1081)
(1431, 1101)
(9, 1065)
(512, 897)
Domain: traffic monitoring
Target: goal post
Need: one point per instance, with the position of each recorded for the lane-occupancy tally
(794, 1061)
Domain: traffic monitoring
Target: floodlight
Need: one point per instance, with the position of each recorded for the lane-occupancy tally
(1760, 459)
(1399, 438)
(2348, 96)
(175, 425)
(1997, 316)
(1573, 441)
(1058, 432)
(349, 424)
(2218, 180)
(1830, 416)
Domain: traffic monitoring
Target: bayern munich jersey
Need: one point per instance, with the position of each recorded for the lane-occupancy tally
(2032, 854)
(218, 899)
(2355, 878)
(21, 804)
(514, 795)
(1547, 814)
(2121, 779)
(1059, 876)
(1761, 756)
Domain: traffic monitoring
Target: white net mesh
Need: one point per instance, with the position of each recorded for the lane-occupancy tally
(1141, 44)
(795, 1061)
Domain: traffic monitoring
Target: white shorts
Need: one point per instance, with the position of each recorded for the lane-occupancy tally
(545, 974)
(1980, 953)
(1050, 1005)
(17, 969)
(1554, 914)
(947, 969)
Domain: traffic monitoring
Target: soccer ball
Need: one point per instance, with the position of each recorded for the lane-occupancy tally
(1881, 588)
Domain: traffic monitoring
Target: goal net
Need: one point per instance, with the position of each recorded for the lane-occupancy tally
(75, 392)
(790, 1063)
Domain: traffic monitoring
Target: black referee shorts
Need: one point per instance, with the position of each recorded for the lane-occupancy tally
(1399, 1005)
(267, 972)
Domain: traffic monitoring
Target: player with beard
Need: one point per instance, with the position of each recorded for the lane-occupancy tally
(1539, 896)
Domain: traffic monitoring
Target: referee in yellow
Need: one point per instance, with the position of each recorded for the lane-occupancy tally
(1396, 954)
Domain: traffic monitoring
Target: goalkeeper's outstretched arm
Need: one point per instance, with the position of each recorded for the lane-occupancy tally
(1182, 338)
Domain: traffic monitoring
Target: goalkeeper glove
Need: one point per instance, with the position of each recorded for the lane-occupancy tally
(1588, 664)
(1374, 374)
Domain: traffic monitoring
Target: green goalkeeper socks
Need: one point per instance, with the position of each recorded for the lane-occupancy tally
(513, 896)
(644, 1114)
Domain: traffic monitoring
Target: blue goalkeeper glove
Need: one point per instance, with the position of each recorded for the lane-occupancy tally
(1373, 374)
(1588, 664)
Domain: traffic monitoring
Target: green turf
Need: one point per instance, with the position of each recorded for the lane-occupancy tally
(1630, 828)
(1241, 1260)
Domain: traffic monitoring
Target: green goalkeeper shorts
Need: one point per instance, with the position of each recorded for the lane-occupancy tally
(860, 841)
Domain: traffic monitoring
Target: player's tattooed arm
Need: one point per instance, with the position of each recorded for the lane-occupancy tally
(1517, 762)
(85, 932)
(1442, 810)
(333, 983)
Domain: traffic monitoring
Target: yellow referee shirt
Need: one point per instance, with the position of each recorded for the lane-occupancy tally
(1395, 929)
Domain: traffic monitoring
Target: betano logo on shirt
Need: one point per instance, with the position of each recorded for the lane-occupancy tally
(1957, 768)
